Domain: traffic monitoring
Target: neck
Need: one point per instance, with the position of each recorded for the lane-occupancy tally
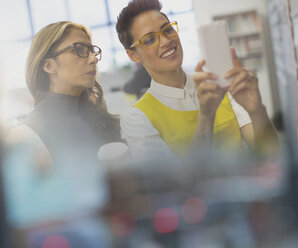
(175, 79)
(71, 91)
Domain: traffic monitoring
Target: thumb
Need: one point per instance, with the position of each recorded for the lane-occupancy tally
(236, 61)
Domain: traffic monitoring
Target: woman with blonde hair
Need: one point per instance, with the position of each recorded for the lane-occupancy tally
(69, 112)
(62, 61)
(68, 125)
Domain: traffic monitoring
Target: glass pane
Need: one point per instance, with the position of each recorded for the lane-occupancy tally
(176, 6)
(122, 58)
(115, 7)
(103, 38)
(189, 39)
(88, 12)
(45, 12)
(2, 71)
(14, 20)
(116, 43)
(14, 54)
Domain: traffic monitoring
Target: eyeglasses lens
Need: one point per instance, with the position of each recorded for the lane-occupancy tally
(151, 40)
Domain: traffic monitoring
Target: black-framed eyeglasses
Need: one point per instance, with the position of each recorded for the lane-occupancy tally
(151, 40)
(81, 49)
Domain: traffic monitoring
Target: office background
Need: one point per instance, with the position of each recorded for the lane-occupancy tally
(21, 19)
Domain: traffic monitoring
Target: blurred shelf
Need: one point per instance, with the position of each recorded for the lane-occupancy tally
(253, 54)
(241, 35)
(245, 34)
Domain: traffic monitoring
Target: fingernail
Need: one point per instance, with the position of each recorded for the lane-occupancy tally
(213, 76)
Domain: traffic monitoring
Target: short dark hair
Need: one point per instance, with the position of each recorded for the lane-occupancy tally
(127, 16)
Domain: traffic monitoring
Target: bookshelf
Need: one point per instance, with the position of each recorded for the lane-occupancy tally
(249, 24)
(245, 32)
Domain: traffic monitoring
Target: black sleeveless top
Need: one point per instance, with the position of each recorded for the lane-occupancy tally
(75, 186)
(57, 121)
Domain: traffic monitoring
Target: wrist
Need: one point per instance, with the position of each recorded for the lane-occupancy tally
(206, 117)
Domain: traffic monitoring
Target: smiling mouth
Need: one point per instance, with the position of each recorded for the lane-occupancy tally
(168, 53)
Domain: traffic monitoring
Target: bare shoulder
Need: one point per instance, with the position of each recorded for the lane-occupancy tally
(23, 134)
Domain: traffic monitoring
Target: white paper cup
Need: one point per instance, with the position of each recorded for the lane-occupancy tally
(115, 152)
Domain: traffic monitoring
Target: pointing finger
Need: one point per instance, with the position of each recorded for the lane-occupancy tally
(200, 65)
(236, 61)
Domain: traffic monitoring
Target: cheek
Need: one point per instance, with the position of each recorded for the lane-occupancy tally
(67, 66)
(177, 41)
(150, 56)
(76, 68)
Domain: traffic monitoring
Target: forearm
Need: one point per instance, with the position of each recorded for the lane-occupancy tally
(265, 135)
(204, 132)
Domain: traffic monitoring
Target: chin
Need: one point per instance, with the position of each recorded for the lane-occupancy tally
(178, 61)
(177, 65)
(90, 84)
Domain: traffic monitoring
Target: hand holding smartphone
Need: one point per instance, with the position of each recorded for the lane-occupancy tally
(215, 48)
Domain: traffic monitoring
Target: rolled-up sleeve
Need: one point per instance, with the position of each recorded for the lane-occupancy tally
(240, 113)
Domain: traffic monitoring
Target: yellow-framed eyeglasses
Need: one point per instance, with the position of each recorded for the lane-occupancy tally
(151, 40)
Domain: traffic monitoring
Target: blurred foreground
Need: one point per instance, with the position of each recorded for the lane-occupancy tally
(223, 199)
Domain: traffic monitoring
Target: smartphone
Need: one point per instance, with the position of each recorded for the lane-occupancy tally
(215, 49)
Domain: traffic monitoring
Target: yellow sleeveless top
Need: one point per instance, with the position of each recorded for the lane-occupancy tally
(177, 128)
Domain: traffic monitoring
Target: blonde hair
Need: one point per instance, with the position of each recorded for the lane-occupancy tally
(43, 43)
(93, 105)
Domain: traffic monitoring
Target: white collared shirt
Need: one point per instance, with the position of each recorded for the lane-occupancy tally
(143, 139)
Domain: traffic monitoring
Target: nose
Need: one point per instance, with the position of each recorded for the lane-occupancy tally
(93, 57)
(164, 40)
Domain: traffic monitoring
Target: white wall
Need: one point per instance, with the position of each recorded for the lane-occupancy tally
(206, 9)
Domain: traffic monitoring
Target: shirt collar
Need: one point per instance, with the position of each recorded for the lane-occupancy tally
(172, 92)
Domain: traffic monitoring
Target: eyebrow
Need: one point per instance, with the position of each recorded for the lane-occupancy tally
(166, 23)
(161, 27)
(84, 40)
(88, 42)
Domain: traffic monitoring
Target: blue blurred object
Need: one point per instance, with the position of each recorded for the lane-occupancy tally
(62, 201)
(60, 193)
(4, 229)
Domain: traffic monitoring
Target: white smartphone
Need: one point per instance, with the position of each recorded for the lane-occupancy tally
(215, 49)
